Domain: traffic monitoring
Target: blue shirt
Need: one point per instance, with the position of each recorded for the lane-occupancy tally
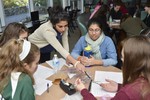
(107, 49)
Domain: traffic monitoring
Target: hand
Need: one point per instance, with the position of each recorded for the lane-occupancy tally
(68, 62)
(79, 85)
(85, 61)
(80, 67)
(91, 60)
(111, 86)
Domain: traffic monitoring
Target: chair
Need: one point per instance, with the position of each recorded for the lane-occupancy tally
(82, 20)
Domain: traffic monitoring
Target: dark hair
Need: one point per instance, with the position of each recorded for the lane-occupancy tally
(147, 4)
(94, 21)
(145, 32)
(12, 30)
(57, 14)
(117, 3)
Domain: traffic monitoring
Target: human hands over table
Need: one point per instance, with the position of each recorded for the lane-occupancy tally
(84, 61)
(79, 84)
(80, 67)
(90, 61)
(111, 86)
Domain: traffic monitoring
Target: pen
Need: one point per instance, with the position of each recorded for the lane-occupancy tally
(47, 87)
(90, 86)
(88, 76)
(91, 78)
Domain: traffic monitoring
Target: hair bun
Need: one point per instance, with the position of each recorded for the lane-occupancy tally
(54, 10)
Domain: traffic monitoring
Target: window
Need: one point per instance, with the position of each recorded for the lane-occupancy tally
(16, 10)
(41, 6)
(15, 7)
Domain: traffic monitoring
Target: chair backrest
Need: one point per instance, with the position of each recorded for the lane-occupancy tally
(82, 22)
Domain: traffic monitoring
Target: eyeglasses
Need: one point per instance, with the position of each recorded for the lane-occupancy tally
(96, 30)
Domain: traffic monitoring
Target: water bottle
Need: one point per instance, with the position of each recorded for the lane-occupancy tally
(55, 63)
(110, 19)
(110, 22)
(87, 52)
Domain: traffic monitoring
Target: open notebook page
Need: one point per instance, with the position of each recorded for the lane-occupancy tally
(100, 76)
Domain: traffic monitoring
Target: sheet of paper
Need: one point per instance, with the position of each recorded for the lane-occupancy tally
(76, 96)
(71, 75)
(43, 72)
(100, 76)
(61, 64)
(41, 85)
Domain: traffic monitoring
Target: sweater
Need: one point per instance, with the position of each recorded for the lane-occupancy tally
(107, 49)
(128, 92)
(46, 34)
(24, 89)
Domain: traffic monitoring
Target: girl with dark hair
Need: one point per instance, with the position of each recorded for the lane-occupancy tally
(103, 48)
(49, 35)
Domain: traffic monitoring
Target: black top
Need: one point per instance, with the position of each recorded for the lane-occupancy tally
(114, 14)
(147, 20)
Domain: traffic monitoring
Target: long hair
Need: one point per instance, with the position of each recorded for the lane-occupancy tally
(34, 51)
(10, 61)
(12, 30)
(57, 14)
(136, 60)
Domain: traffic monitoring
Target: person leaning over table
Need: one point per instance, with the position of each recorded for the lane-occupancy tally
(19, 59)
(103, 48)
(48, 36)
(14, 30)
(136, 71)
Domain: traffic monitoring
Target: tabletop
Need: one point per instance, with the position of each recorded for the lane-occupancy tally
(55, 92)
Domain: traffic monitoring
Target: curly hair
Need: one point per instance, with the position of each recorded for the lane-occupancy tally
(57, 14)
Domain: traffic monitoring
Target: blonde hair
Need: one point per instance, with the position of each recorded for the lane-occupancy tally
(10, 61)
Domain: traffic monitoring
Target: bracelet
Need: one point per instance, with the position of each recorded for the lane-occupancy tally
(75, 65)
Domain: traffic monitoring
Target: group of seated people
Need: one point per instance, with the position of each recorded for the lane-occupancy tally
(19, 58)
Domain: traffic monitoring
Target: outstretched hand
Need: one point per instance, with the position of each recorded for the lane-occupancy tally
(79, 85)
(111, 86)
(80, 67)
